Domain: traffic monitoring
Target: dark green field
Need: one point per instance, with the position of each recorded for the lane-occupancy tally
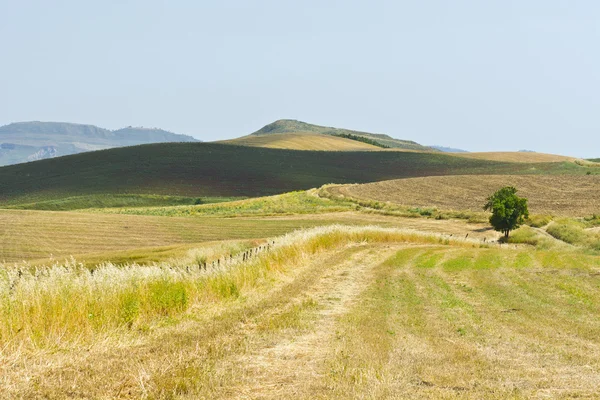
(217, 170)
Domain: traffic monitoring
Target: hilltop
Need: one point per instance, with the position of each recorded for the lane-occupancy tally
(30, 141)
(292, 126)
(211, 169)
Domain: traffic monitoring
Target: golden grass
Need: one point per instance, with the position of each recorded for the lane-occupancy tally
(574, 196)
(516, 156)
(330, 313)
(302, 141)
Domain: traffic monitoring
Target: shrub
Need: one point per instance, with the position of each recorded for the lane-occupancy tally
(525, 235)
(568, 231)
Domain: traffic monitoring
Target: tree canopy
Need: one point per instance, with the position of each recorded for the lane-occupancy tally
(509, 211)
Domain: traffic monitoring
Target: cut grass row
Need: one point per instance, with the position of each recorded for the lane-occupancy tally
(468, 322)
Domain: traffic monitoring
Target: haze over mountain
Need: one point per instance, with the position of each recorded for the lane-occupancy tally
(448, 149)
(30, 141)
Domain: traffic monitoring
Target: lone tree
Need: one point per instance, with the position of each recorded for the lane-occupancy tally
(508, 210)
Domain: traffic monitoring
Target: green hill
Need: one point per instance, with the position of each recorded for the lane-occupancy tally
(30, 141)
(213, 170)
(293, 126)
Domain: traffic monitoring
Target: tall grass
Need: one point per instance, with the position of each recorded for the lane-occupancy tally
(45, 306)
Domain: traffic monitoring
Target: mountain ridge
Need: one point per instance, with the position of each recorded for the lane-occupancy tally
(35, 140)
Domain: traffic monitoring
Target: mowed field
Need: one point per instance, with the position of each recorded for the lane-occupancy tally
(302, 141)
(94, 238)
(330, 313)
(575, 196)
(30, 235)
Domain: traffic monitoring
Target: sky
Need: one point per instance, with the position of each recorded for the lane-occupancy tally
(477, 75)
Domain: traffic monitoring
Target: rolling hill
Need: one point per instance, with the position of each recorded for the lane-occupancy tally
(210, 169)
(293, 126)
(30, 141)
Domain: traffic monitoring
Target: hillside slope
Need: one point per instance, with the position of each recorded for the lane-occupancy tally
(293, 126)
(30, 141)
(209, 169)
(302, 141)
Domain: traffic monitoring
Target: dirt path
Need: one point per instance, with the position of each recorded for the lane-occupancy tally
(288, 366)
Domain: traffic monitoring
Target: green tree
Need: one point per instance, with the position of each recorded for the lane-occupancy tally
(509, 211)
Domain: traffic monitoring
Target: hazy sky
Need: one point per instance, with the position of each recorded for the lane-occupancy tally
(479, 75)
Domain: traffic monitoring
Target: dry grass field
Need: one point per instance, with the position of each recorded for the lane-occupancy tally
(330, 313)
(302, 141)
(574, 196)
(516, 156)
(35, 236)
(30, 235)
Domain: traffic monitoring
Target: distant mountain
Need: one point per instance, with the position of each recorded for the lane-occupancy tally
(293, 126)
(31, 141)
(448, 149)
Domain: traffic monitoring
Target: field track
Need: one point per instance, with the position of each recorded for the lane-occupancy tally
(358, 321)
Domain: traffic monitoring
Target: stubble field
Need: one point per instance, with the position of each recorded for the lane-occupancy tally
(573, 196)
